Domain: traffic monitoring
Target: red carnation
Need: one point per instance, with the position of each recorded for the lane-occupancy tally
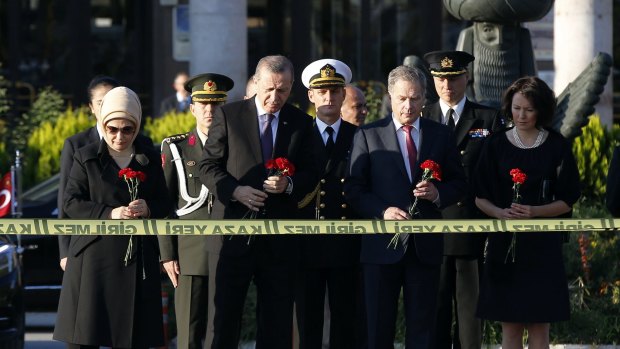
(133, 179)
(432, 170)
(518, 176)
(430, 166)
(280, 167)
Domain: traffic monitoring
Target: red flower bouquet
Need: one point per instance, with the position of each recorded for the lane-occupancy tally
(518, 178)
(275, 167)
(432, 170)
(280, 167)
(133, 179)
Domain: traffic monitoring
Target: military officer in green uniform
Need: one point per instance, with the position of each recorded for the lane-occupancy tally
(185, 258)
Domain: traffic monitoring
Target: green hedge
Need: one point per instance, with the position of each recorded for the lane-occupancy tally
(593, 151)
(169, 124)
(42, 155)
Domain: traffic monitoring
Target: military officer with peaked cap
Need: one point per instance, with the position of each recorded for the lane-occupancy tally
(329, 262)
(471, 123)
(185, 258)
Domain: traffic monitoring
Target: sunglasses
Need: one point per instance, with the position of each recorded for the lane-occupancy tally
(127, 130)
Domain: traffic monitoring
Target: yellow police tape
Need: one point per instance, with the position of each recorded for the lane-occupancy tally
(299, 227)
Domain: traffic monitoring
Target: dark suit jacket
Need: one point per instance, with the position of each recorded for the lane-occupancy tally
(613, 184)
(70, 147)
(333, 250)
(190, 251)
(171, 103)
(378, 180)
(469, 139)
(232, 157)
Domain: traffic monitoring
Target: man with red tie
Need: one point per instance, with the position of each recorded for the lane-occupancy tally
(384, 179)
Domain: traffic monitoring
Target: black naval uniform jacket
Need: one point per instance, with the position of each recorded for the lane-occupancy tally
(327, 202)
(190, 251)
(476, 123)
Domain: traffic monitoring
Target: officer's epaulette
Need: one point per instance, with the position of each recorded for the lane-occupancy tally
(176, 138)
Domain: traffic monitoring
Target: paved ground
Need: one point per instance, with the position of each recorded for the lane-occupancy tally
(39, 327)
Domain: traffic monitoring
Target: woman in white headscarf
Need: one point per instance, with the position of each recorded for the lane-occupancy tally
(111, 294)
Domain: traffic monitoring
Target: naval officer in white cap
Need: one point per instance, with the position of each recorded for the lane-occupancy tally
(329, 262)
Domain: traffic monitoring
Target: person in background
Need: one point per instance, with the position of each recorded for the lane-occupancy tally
(250, 88)
(613, 185)
(111, 288)
(244, 136)
(330, 263)
(384, 179)
(185, 258)
(180, 101)
(526, 172)
(97, 88)
(354, 108)
(472, 124)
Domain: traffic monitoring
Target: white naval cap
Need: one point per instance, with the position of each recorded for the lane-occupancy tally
(326, 72)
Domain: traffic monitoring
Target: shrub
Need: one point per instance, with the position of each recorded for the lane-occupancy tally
(47, 107)
(169, 124)
(374, 92)
(593, 151)
(5, 159)
(42, 155)
(4, 102)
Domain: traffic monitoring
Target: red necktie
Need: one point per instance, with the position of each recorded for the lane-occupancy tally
(412, 153)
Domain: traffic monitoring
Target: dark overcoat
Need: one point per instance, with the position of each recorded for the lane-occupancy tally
(102, 301)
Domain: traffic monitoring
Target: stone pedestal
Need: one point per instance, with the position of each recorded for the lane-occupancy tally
(218, 35)
(582, 28)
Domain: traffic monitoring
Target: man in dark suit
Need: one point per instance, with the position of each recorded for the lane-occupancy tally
(185, 258)
(471, 123)
(329, 262)
(384, 178)
(243, 136)
(180, 101)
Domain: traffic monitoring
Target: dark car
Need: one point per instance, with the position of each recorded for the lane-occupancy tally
(41, 268)
(12, 313)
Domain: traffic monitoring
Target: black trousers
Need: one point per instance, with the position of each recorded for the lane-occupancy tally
(382, 287)
(458, 294)
(275, 286)
(342, 288)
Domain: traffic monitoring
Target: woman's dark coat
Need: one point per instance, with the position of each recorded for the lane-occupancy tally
(103, 302)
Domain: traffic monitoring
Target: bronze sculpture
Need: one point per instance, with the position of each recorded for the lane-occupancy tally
(503, 51)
